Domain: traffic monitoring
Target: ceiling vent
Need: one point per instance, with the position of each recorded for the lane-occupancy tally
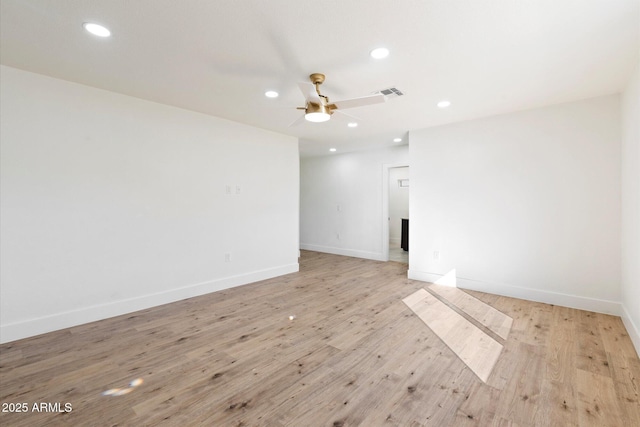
(392, 92)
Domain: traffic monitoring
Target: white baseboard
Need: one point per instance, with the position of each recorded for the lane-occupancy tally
(565, 300)
(424, 276)
(632, 329)
(342, 251)
(395, 241)
(41, 325)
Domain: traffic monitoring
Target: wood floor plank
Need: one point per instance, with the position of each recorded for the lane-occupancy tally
(597, 402)
(614, 336)
(481, 409)
(354, 354)
(521, 397)
(558, 387)
(626, 380)
(590, 349)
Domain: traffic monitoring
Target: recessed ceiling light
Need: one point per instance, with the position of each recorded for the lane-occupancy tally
(379, 53)
(444, 103)
(96, 29)
(332, 149)
(397, 139)
(271, 94)
(353, 125)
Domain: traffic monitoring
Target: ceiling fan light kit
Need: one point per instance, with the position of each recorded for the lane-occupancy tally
(317, 113)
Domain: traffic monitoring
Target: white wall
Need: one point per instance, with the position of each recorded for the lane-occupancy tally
(524, 204)
(631, 207)
(342, 195)
(398, 203)
(112, 204)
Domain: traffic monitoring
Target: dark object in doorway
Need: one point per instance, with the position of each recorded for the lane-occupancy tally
(404, 242)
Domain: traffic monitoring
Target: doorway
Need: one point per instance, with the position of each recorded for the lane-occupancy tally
(396, 213)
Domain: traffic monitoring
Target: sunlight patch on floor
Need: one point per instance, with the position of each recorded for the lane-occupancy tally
(476, 349)
(493, 319)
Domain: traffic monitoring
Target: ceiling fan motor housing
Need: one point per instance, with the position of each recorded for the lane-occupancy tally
(317, 78)
(317, 113)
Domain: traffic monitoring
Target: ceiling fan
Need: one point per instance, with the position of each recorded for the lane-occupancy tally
(319, 109)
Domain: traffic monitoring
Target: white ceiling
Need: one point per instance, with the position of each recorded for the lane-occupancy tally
(219, 57)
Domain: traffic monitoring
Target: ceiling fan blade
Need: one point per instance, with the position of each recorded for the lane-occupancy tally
(341, 115)
(376, 98)
(309, 92)
(297, 121)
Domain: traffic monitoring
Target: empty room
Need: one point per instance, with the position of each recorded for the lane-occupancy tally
(320, 213)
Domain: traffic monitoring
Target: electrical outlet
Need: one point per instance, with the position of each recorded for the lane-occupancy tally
(227, 257)
(436, 255)
(228, 189)
(338, 236)
(237, 189)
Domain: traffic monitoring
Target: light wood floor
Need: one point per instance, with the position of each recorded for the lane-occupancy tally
(354, 354)
(398, 254)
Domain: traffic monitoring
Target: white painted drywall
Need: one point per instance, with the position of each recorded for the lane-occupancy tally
(398, 204)
(631, 207)
(524, 204)
(112, 204)
(341, 201)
